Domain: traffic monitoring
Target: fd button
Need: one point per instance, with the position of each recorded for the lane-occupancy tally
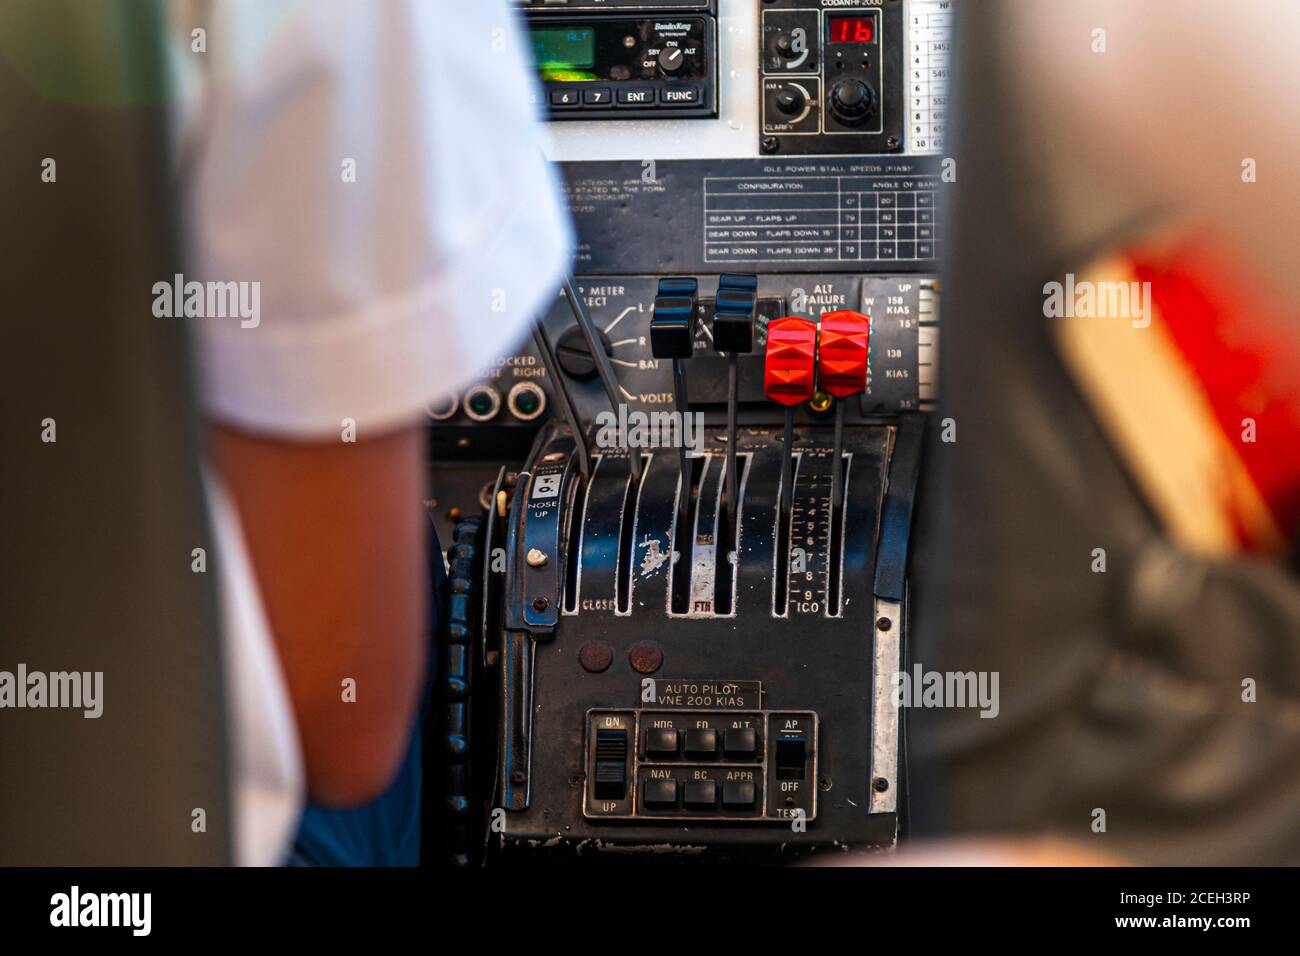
(701, 742)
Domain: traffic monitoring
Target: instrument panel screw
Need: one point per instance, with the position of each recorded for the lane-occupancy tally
(891, 143)
(535, 557)
(884, 624)
(518, 777)
(540, 604)
(880, 784)
(771, 144)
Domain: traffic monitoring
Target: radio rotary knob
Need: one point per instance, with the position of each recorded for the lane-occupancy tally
(791, 101)
(671, 59)
(852, 102)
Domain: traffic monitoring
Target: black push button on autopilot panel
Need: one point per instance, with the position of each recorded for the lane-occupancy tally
(701, 742)
(661, 742)
(700, 794)
(740, 742)
(661, 793)
(738, 794)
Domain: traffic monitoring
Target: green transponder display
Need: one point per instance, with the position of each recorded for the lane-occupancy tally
(565, 54)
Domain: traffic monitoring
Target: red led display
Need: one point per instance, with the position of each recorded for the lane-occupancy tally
(852, 29)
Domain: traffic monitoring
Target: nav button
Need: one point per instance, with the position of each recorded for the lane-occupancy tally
(636, 96)
(564, 98)
(597, 96)
(679, 96)
(661, 792)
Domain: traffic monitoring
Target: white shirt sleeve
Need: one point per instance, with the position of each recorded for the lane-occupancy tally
(376, 168)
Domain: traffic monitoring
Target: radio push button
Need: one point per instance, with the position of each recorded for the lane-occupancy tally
(636, 96)
(679, 96)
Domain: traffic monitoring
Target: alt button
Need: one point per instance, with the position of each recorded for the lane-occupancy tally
(740, 742)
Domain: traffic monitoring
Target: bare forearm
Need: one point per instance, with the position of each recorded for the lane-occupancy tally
(337, 546)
